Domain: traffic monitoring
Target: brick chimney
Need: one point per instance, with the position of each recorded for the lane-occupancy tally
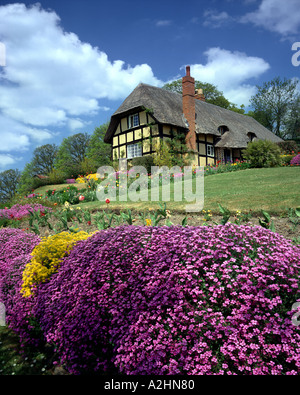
(188, 106)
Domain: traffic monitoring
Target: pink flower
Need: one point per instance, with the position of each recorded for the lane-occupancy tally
(81, 198)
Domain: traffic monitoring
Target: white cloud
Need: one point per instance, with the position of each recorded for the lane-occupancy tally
(75, 123)
(51, 78)
(6, 160)
(230, 72)
(163, 22)
(216, 19)
(278, 16)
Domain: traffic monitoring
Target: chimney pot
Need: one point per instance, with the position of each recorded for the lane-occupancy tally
(188, 71)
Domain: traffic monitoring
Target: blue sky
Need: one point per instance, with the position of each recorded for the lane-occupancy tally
(69, 64)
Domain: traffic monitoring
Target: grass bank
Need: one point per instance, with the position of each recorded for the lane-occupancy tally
(271, 189)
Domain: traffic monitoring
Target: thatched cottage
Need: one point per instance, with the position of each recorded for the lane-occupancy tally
(213, 133)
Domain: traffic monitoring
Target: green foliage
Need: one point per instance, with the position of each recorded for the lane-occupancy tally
(71, 154)
(225, 213)
(87, 166)
(26, 183)
(172, 151)
(44, 158)
(262, 153)
(153, 218)
(275, 104)
(286, 159)
(56, 177)
(162, 156)
(98, 152)
(9, 180)
(294, 217)
(212, 94)
(266, 222)
(146, 161)
(288, 147)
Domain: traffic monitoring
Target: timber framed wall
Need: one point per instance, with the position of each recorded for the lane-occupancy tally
(147, 135)
(204, 144)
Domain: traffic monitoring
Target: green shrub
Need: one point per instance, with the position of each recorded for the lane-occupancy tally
(146, 161)
(56, 177)
(262, 153)
(163, 156)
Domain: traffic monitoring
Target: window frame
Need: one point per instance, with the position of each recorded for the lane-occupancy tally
(210, 150)
(131, 120)
(136, 147)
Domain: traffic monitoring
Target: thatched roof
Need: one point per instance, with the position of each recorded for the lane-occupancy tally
(167, 109)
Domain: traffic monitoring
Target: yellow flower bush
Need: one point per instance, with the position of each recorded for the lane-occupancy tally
(82, 180)
(46, 258)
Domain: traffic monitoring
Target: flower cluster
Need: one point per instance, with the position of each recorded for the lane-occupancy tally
(71, 194)
(15, 249)
(83, 179)
(175, 300)
(46, 258)
(19, 211)
(296, 160)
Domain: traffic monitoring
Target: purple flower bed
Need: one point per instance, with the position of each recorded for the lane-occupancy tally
(71, 181)
(15, 249)
(295, 160)
(20, 211)
(175, 300)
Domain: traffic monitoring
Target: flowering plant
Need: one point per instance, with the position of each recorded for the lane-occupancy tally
(295, 160)
(15, 249)
(46, 258)
(20, 211)
(175, 300)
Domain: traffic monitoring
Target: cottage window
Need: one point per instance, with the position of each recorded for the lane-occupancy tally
(134, 150)
(222, 129)
(133, 120)
(251, 136)
(210, 150)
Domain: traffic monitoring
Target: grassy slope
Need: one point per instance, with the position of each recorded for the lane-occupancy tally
(272, 189)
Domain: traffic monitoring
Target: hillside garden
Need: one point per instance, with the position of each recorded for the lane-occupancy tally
(113, 287)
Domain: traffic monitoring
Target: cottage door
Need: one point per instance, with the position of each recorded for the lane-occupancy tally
(227, 156)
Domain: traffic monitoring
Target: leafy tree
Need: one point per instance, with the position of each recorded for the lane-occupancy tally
(9, 180)
(71, 153)
(43, 158)
(274, 105)
(292, 121)
(27, 182)
(98, 153)
(211, 93)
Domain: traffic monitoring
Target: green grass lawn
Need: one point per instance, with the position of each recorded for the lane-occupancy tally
(272, 189)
